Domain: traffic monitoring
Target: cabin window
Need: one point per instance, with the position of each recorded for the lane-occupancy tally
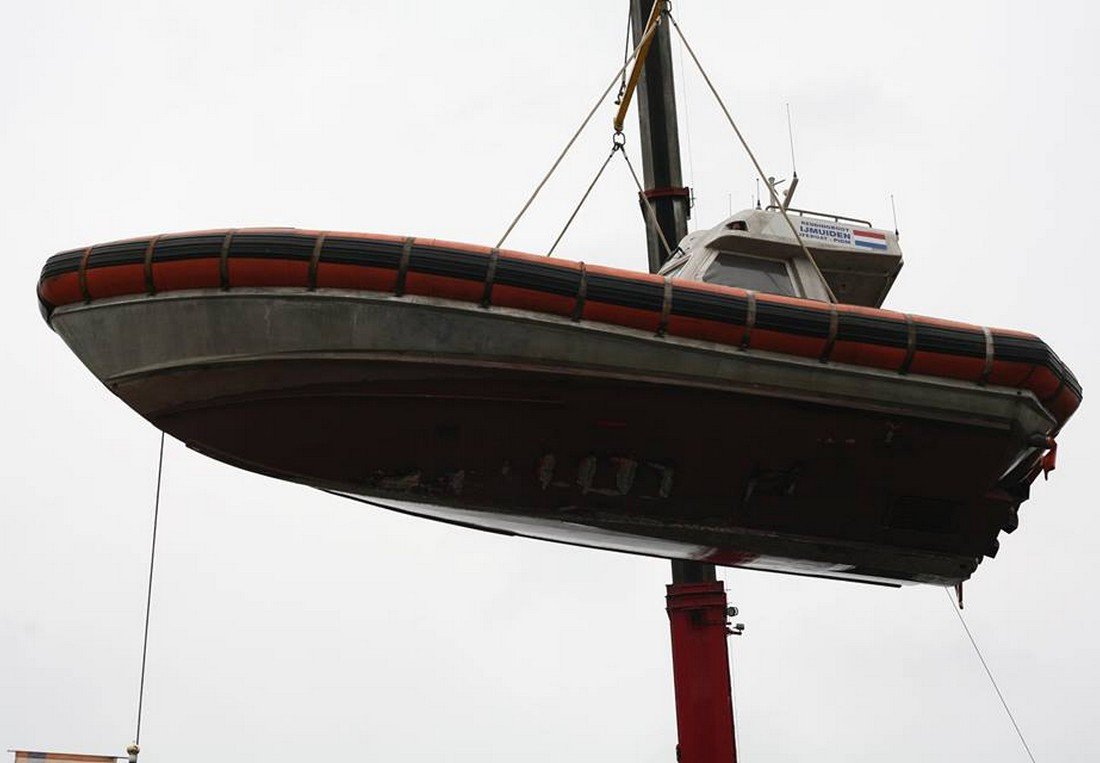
(756, 273)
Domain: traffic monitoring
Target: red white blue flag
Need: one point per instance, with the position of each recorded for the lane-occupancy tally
(869, 239)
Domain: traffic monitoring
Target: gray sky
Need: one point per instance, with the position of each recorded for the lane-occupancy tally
(288, 623)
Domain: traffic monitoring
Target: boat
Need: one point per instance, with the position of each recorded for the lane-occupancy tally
(724, 410)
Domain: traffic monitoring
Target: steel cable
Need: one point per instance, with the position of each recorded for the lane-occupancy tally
(989, 673)
(648, 206)
(584, 124)
(149, 592)
(584, 198)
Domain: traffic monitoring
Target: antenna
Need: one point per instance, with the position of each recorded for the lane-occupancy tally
(894, 209)
(758, 193)
(790, 138)
(730, 195)
(794, 170)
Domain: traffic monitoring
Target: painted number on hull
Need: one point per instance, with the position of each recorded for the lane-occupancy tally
(607, 475)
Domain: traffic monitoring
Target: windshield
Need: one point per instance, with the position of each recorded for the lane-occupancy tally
(756, 273)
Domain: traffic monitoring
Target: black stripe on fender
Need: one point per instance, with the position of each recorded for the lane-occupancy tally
(552, 279)
(625, 292)
(123, 253)
(190, 247)
(707, 305)
(854, 327)
(357, 251)
(472, 266)
(950, 341)
(63, 262)
(279, 246)
(1018, 349)
(791, 319)
(1061, 370)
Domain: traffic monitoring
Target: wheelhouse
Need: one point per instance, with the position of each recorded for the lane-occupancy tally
(755, 249)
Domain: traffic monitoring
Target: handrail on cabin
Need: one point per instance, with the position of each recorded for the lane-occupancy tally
(835, 218)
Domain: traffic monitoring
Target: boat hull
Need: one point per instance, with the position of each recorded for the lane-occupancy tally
(584, 433)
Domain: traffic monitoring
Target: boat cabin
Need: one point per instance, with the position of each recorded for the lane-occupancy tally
(755, 249)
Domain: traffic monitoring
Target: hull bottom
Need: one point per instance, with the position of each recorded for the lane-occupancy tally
(644, 468)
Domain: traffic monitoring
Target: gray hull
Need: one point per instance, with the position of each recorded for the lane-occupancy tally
(581, 433)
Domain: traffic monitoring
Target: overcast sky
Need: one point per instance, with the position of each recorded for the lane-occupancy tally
(289, 624)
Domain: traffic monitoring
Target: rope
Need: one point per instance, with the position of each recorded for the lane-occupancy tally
(752, 157)
(649, 207)
(989, 673)
(615, 147)
(569, 145)
(149, 593)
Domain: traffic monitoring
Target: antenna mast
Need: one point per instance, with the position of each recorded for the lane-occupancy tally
(794, 169)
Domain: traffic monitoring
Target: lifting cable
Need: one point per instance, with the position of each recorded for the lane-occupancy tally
(989, 673)
(615, 147)
(618, 144)
(618, 141)
(648, 206)
(752, 157)
(614, 80)
(134, 748)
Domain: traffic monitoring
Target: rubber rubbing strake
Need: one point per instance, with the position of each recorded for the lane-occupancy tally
(403, 266)
(910, 344)
(150, 285)
(830, 341)
(490, 275)
(750, 319)
(223, 260)
(666, 307)
(582, 293)
(82, 274)
(314, 261)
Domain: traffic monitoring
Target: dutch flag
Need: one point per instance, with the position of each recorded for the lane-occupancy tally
(869, 239)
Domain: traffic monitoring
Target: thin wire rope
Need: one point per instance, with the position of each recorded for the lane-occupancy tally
(584, 198)
(584, 124)
(752, 157)
(149, 591)
(649, 207)
(989, 673)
